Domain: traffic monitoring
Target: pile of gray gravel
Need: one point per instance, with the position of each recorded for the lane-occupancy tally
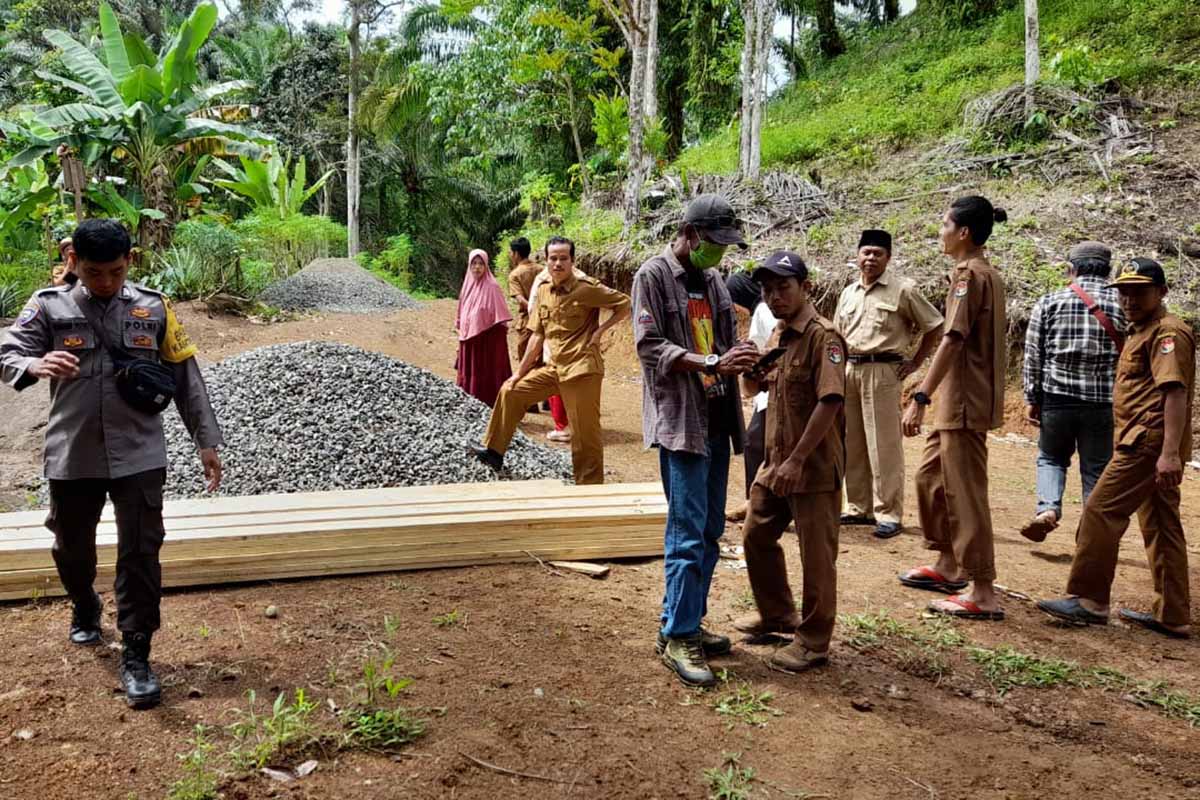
(337, 285)
(314, 416)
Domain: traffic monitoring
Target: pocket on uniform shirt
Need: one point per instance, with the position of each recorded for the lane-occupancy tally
(799, 386)
(880, 314)
(1137, 438)
(73, 339)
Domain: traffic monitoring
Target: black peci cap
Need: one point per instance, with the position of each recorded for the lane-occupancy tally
(873, 237)
(782, 264)
(713, 215)
(1141, 272)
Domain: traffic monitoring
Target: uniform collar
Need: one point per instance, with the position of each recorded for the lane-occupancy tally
(125, 294)
(566, 287)
(677, 267)
(800, 323)
(882, 280)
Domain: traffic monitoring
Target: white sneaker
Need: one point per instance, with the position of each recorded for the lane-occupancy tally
(559, 436)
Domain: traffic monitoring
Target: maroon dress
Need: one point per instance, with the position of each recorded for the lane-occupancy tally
(483, 364)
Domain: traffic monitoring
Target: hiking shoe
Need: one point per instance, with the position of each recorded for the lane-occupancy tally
(142, 689)
(1040, 526)
(886, 530)
(755, 625)
(85, 622)
(488, 456)
(797, 658)
(714, 644)
(685, 657)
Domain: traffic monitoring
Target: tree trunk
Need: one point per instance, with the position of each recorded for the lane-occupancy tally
(828, 37)
(637, 118)
(353, 188)
(651, 78)
(891, 10)
(765, 20)
(583, 167)
(745, 124)
(1033, 62)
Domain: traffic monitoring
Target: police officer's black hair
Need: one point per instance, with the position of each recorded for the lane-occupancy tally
(1097, 267)
(101, 241)
(520, 246)
(559, 240)
(977, 215)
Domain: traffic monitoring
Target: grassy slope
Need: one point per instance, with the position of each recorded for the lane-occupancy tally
(910, 82)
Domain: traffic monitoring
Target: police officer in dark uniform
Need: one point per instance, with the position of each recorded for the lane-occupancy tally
(100, 446)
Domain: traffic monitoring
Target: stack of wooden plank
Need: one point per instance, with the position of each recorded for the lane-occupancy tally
(237, 539)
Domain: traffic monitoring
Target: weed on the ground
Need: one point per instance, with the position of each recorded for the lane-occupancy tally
(1005, 669)
(741, 702)
(452, 619)
(260, 737)
(730, 781)
(383, 729)
(379, 681)
(200, 780)
(921, 650)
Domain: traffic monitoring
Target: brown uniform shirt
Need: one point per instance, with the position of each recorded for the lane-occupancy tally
(1158, 353)
(883, 318)
(812, 369)
(520, 282)
(568, 316)
(971, 396)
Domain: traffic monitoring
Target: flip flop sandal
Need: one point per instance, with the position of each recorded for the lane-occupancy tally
(1148, 622)
(931, 580)
(966, 609)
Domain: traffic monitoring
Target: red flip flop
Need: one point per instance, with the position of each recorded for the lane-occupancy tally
(966, 609)
(931, 580)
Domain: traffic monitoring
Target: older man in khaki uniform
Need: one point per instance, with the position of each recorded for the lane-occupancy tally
(567, 318)
(879, 316)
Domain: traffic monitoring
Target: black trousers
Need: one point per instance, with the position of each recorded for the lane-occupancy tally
(756, 444)
(75, 508)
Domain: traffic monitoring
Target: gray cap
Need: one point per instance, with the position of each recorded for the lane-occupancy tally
(1088, 251)
(713, 216)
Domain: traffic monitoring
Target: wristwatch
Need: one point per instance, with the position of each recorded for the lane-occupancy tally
(710, 363)
(921, 399)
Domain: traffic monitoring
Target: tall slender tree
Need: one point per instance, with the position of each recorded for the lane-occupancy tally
(759, 20)
(829, 38)
(1033, 60)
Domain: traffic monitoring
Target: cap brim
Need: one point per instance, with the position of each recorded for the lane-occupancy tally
(1132, 280)
(762, 273)
(726, 236)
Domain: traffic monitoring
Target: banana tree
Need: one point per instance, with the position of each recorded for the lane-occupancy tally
(149, 113)
(267, 187)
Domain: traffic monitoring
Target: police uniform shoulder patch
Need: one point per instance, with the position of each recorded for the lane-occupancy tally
(834, 351)
(28, 314)
(960, 288)
(1166, 345)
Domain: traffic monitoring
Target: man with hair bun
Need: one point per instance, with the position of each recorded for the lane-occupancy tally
(879, 315)
(1071, 349)
(967, 375)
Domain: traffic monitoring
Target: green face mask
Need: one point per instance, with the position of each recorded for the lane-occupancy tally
(707, 255)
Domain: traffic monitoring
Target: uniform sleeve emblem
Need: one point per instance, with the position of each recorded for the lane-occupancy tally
(28, 314)
(177, 347)
(834, 351)
(645, 318)
(1166, 345)
(960, 290)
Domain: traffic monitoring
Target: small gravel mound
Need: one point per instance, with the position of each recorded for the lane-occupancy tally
(336, 285)
(315, 416)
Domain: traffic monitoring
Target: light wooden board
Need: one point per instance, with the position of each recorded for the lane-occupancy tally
(229, 540)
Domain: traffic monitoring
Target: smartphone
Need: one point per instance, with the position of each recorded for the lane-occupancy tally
(770, 358)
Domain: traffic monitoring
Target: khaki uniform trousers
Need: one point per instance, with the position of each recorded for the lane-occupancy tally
(874, 443)
(523, 337)
(952, 500)
(580, 395)
(816, 518)
(1128, 485)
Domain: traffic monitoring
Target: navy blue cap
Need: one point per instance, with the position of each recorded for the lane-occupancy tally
(782, 264)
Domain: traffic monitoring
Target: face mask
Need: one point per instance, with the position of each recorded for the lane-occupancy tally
(707, 255)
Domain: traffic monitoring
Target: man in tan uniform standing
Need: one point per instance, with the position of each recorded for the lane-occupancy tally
(879, 315)
(967, 373)
(1152, 411)
(568, 320)
(520, 282)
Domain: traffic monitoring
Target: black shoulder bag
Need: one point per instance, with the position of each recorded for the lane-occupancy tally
(146, 386)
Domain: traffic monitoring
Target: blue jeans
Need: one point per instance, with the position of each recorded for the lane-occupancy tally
(695, 487)
(1067, 427)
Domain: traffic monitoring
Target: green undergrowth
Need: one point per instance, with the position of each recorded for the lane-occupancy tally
(593, 230)
(926, 649)
(910, 82)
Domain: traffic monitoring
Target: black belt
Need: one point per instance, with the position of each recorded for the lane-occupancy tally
(882, 358)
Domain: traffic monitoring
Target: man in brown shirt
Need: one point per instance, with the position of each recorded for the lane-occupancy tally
(568, 320)
(968, 375)
(881, 316)
(1152, 413)
(801, 476)
(520, 281)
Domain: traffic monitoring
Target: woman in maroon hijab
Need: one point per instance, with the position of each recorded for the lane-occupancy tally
(482, 324)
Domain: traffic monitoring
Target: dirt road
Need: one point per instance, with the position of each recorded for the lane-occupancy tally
(554, 675)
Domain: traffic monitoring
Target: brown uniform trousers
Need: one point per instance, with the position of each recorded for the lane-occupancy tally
(952, 500)
(582, 398)
(1128, 485)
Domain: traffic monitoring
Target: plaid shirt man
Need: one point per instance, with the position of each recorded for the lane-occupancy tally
(1067, 352)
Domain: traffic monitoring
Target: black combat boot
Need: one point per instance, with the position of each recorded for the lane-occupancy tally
(85, 622)
(142, 689)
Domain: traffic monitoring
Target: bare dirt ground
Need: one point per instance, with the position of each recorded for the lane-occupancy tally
(554, 675)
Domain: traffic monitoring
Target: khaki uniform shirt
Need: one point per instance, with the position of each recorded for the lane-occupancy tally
(884, 318)
(1158, 353)
(92, 431)
(812, 369)
(520, 282)
(971, 396)
(567, 316)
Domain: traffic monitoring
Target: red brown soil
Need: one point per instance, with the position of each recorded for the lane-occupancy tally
(555, 675)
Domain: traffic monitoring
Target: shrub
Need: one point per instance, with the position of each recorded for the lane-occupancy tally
(204, 259)
(292, 243)
(393, 262)
(22, 272)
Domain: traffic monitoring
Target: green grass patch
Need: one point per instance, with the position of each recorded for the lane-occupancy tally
(730, 781)
(1006, 669)
(384, 729)
(451, 619)
(921, 650)
(738, 701)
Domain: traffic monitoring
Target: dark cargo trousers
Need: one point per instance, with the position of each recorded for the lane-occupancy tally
(75, 507)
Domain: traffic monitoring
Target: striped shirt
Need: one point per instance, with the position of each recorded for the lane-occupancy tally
(1067, 352)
